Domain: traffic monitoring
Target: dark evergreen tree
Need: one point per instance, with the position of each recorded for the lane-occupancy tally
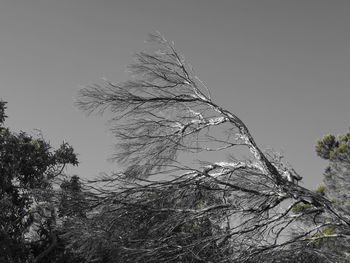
(27, 167)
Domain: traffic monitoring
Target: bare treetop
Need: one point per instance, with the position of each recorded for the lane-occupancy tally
(165, 110)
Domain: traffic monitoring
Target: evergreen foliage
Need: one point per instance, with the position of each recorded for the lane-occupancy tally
(27, 167)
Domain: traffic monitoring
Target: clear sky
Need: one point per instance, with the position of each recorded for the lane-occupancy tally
(281, 66)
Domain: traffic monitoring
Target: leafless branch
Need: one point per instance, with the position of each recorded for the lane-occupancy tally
(164, 115)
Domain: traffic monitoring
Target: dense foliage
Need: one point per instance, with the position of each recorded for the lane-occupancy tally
(28, 165)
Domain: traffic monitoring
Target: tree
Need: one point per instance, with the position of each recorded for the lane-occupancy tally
(336, 188)
(337, 174)
(163, 117)
(27, 167)
(72, 200)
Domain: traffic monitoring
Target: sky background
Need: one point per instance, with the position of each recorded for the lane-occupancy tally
(282, 66)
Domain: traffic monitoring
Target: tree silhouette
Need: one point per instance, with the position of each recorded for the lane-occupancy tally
(168, 128)
(27, 167)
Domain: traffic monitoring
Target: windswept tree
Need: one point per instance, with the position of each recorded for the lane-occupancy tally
(173, 203)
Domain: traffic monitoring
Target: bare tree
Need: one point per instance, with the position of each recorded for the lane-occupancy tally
(168, 126)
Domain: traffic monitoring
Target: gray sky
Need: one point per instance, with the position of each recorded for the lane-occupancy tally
(281, 66)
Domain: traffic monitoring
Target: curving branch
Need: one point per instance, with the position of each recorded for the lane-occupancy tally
(164, 113)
